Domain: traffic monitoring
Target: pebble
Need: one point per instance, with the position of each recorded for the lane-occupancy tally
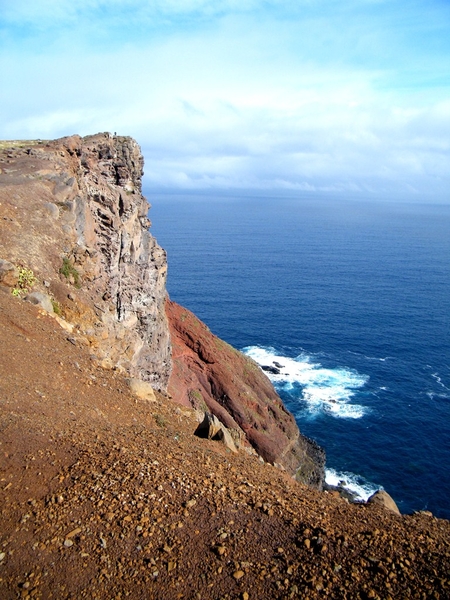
(238, 574)
(73, 533)
(171, 566)
(68, 543)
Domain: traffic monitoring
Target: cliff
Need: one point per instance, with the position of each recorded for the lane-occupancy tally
(73, 214)
(106, 492)
(209, 372)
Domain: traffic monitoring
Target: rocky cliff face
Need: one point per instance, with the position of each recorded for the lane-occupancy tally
(73, 212)
(207, 372)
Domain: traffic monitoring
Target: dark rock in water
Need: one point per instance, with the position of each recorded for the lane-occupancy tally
(344, 492)
(270, 369)
(277, 364)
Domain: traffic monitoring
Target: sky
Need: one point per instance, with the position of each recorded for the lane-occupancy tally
(307, 96)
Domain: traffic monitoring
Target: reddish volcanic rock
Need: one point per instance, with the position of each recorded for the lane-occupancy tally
(211, 375)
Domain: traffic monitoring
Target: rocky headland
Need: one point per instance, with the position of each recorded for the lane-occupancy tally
(105, 490)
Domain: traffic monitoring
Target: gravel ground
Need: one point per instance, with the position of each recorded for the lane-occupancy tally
(106, 496)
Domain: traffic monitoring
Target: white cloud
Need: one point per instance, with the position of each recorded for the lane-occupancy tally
(241, 102)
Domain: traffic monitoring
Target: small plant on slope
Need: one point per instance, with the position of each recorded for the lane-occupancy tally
(25, 282)
(69, 271)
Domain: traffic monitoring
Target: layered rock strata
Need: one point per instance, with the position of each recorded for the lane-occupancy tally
(74, 214)
(208, 372)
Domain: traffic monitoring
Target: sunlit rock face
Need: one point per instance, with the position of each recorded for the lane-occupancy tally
(209, 374)
(73, 213)
(79, 220)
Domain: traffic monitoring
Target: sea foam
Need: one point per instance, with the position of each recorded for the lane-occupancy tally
(321, 389)
(360, 488)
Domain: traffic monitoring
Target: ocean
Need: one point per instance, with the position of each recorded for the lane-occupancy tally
(351, 299)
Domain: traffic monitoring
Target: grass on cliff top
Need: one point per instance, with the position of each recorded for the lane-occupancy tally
(4, 144)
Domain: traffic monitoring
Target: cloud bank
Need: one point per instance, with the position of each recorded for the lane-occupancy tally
(322, 96)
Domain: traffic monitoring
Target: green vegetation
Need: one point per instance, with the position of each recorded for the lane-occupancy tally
(223, 346)
(160, 420)
(25, 282)
(56, 307)
(196, 398)
(69, 271)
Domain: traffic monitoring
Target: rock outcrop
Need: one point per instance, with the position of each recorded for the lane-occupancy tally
(104, 495)
(74, 233)
(212, 429)
(209, 373)
(383, 499)
(73, 213)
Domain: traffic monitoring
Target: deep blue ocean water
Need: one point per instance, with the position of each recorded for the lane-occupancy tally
(352, 298)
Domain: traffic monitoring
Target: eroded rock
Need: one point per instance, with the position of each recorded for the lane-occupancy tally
(382, 498)
(40, 299)
(208, 371)
(9, 273)
(97, 244)
(212, 429)
(142, 389)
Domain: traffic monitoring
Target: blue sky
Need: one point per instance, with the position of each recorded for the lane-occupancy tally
(321, 96)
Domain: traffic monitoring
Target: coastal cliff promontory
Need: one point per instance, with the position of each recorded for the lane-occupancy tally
(73, 213)
(106, 493)
(74, 216)
(208, 372)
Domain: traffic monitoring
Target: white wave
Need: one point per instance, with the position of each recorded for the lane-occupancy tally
(323, 390)
(434, 396)
(438, 380)
(359, 487)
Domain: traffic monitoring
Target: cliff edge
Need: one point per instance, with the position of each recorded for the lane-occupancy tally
(107, 492)
(105, 495)
(73, 213)
(73, 217)
(209, 373)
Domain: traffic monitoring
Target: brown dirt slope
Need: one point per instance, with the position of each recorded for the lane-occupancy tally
(105, 496)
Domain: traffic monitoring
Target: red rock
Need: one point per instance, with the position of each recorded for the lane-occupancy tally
(209, 373)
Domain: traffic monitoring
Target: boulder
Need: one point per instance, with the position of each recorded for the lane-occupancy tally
(141, 389)
(40, 299)
(382, 498)
(52, 209)
(9, 273)
(212, 429)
